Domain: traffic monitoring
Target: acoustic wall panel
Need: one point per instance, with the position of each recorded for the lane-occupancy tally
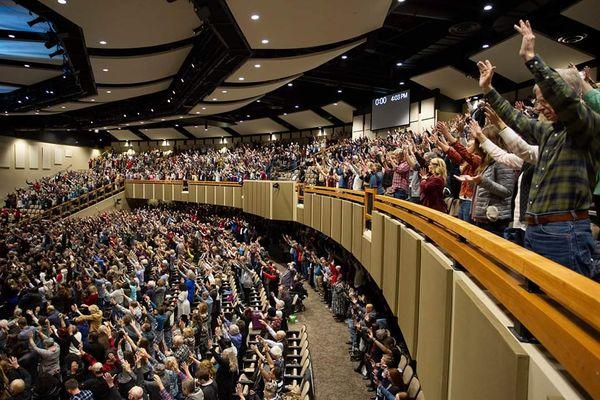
(308, 201)
(34, 156)
(167, 192)
(300, 214)
(315, 222)
(326, 215)
(129, 190)
(20, 154)
(210, 195)
(357, 229)
(219, 196)
(177, 189)
(193, 193)
(336, 220)
(366, 253)
(201, 194)
(237, 197)
(346, 234)
(46, 156)
(148, 191)
(408, 286)
(283, 200)
(487, 360)
(59, 155)
(228, 196)
(435, 319)
(391, 254)
(377, 238)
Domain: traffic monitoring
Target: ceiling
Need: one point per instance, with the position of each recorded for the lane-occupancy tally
(187, 69)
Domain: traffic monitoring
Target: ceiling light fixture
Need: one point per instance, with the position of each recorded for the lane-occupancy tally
(104, 69)
(399, 64)
(255, 17)
(265, 41)
(290, 84)
(103, 42)
(197, 112)
(62, 1)
(402, 83)
(257, 65)
(109, 91)
(214, 99)
(296, 106)
(488, 7)
(344, 57)
(241, 78)
(223, 91)
(258, 101)
(27, 66)
(11, 36)
(339, 90)
(92, 99)
(335, 104)
(248, 116)
(63, 107)
(205, 125)
(485, 46)
(204, 108)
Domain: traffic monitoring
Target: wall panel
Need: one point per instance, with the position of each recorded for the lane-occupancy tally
(391, 254)
(435, 317)
(315, 221)
(167, 192)
(408, 287)
(148, 191)
(228, 196)
(336, 220)
(201, 194)
(377, 238)
(357, 229)
(346, 234)
(219, 196)
(308, 201)
(366, 252)
(283, 200)
(177, 189)
(487, 361)
(238, 200)
(326, 215)
(300, 214)
(210, 195)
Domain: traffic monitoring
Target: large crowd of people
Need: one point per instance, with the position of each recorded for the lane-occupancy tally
(131, 304)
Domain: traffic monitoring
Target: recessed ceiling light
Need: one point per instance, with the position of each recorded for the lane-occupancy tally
(125, 115)
(255, 17)
(401, 83)
(290, 84)
(257, 65)
(399, 64)
(344, 57)
(176, 124)
(296, 106)
(258, 101)
(11, 36)
(169, 100)
(485, 46)
(62, 1)
(103, 42)
(173, 91)
(204, 108)
(488, 7)
(152, 110)
(162, 119)
(248, 116)
(180, 117)
(223, 91)
(339, 90)
(104, 69)
(214, 99)
(265, 41)
(92, 99)
(401, 1)
(27, 66)
(138, 113)
(284, 113)
(19, 101)
(37, 113)
(63, 107)
(197, 112)
(335, 104)
(241, 78)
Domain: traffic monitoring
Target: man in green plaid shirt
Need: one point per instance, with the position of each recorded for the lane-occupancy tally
(568, 135)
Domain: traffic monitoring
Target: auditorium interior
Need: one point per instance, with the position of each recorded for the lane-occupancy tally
(299, 200)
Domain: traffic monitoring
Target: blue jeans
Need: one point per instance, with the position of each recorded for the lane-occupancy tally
(464, 212)
(568, 243)
(384, 393)
(400, 194)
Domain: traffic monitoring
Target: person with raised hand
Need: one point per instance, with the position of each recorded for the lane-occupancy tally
(567, 132)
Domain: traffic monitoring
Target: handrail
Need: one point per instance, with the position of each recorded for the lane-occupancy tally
(493, 261)
(356, 196)
(179, 182)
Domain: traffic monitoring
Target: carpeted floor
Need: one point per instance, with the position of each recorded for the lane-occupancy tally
(333, 372)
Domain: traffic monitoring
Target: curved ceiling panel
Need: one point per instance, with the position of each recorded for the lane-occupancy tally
(305, 119)
(123, 134)
(140, 68)
(130, 23)
(340, 110)
(26, 76)
(211, 132)
(108, 94)
(162, 133)
(277, 68)
(232, 93)
(218, 108)
(256, 126)
(290, 24)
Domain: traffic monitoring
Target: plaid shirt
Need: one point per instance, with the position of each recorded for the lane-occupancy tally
(400, 177)
(83, 395)
(569, 148)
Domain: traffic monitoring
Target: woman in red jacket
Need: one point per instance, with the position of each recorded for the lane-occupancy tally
(432, 185)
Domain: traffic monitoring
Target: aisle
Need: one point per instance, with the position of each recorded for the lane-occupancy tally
(332, 369)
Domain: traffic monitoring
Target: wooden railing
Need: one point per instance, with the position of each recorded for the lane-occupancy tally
(179, 182)
(78, 203)
(556, 305)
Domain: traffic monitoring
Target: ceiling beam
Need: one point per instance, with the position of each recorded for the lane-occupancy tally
(232, 132)
(184, 132)
(139, 134)
(330, 117)
(283, 122)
